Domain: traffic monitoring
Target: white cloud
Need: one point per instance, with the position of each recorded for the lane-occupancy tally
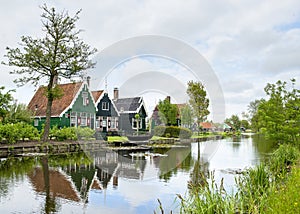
(247, 43)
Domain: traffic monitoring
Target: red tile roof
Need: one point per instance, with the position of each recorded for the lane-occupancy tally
(96, 95)
(206, 125)
(38, 103)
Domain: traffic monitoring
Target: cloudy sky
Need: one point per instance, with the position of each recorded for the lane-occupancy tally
(246, 43)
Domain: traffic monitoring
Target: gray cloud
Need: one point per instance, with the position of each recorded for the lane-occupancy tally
(245, 42)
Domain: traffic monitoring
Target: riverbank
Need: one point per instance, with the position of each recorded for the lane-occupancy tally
(48, 147)
(116, 144)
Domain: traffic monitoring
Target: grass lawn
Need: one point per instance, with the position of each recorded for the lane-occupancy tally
(160, 138)
(203, 135)
(111, 139)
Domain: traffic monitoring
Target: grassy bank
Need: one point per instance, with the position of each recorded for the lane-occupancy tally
(111, 139)
(271, 187)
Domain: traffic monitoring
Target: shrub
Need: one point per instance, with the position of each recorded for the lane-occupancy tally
(65, 133)
(172, 131)
(27, 131)
(85, 133)
(10, 133)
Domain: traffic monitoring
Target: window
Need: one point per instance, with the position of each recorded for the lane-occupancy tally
(85, 98)
(98, 123)
(73, 119)
(83, 121)
(136, 123)
(105, 106)
(112, 123)
(36, 122)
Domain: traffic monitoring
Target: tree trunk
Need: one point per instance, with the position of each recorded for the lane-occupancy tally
(49, 108)
(48, 117)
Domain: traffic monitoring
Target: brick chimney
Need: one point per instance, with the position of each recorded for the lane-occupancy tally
(88, 79)
(116, 93)
(168, 98)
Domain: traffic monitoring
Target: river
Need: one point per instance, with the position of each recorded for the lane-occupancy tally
(113, 182)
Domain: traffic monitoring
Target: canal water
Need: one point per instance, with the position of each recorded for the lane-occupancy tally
(122, 182)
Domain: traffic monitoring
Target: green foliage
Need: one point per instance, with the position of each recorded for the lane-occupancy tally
(27, 131)
(167, 112)
(209, 198)
(172, 131)
(85, 133)
(5, 102)
(245, 124)
(234, 121)
(18, 112)
(259, 189)
(285, 199)
(253, 188)
(278, 116)
(11, 133)
(186, 116)
(59, 54)
(283, 158)
(198, 100)
(66, 133)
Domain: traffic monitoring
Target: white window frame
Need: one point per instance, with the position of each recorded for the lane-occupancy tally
(73, 119)
(113, 123)
(83, 121)
(36, 122)
(138, 123)
(85, 98)
(105, 106)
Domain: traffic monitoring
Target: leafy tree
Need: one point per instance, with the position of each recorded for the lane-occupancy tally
(245, 124)
(198, 100)
(167, 112)
(5, 102)
(186, 116)
(278, 116)
(253, 113)
(59, 54)
(18, 112)
(234, 121)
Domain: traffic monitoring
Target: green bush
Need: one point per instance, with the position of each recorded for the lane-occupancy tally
(27, 131)
(66, 133)
(172, 131)
(11, 133)
(85, 133)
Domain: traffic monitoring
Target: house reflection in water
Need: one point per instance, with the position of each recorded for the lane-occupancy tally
(73, 182)
(111, 164)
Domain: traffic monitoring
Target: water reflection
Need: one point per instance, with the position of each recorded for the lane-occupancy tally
(68, 182)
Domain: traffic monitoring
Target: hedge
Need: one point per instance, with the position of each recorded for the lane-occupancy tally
(11, 133)
(172, 131)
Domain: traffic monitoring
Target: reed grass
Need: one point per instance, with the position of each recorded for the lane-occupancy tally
(271, 187)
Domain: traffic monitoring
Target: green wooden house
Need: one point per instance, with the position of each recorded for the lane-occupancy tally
(75, 108)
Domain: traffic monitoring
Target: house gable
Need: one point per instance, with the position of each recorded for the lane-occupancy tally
(106, 107)
(83, 101)
(128, 108)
